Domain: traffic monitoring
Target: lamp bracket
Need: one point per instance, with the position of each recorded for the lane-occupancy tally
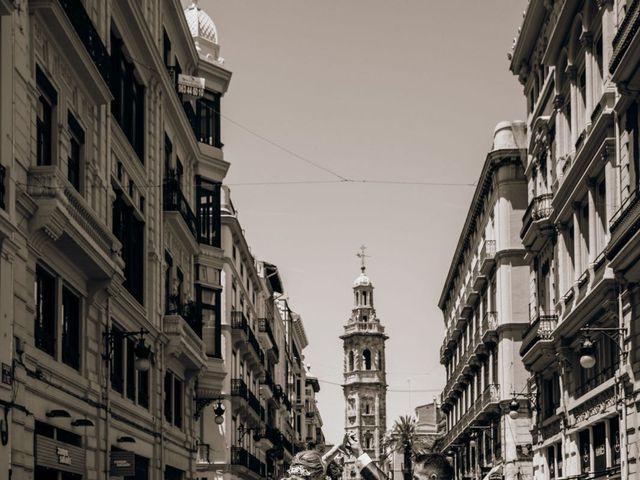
(201, 404)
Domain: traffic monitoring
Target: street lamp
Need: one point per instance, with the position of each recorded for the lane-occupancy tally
(514, 405)
(588, 360)
(587, 347)
(141, 351)
(219, 412)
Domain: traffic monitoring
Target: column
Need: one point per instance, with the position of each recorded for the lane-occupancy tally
(572, 75)
(591, 184)
(576, 244)
(586, 39)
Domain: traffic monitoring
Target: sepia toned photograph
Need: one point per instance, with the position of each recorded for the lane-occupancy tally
(320, 239)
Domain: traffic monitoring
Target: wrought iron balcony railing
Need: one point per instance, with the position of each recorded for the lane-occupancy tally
(238, 388)
(539, 209)
(82, 24)
(541, 328)
(174, 200)
(265, 327)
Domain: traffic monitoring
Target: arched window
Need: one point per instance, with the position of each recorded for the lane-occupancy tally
(364, 318)
(351, 362)
(366, 358)
(364, 298)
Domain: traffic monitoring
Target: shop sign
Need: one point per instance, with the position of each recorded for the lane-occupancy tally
(58, 455)
(123, 463)
(191, 86)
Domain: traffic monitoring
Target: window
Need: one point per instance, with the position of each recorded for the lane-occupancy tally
(45, 317)
(128, 97)
(208, 120)
(631, 126)
(117, 361)
(47, 100)
(173, 392)
(584, 452)
(76, 141)
(607, 360)
(366, 358)
(601, 215)
(166, 47)
(125, 378)
(171, 473)
(550, 395)
(208, 301)
(168, 157)
(168, 280)
(70, 329)
(141, 468)
(614, 440)
(208, 212)
(351, 361)
(129, 230)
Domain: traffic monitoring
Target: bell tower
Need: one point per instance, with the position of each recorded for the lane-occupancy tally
(365, 384)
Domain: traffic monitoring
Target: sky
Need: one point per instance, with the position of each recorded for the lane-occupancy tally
(394, 90)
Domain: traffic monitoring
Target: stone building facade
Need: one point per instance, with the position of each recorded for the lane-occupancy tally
(118, 321)
(576, 62)
(365, 384)
(485, 313)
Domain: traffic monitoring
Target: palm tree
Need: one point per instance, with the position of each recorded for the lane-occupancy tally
(405, 438)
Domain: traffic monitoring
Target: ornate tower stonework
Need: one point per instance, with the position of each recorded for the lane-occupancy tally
(365, 384)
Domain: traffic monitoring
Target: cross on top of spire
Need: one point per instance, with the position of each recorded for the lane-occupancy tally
(363, 258)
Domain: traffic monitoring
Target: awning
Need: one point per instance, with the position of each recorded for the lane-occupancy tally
(494, 474)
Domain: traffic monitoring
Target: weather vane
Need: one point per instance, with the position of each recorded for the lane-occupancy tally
(362, 257)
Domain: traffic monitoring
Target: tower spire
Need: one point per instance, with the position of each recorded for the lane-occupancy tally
(363, 257)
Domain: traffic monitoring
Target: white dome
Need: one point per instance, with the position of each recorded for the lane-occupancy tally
(200, 24)
(362, 281)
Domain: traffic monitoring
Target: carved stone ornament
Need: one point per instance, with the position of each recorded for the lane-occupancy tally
(595, 405)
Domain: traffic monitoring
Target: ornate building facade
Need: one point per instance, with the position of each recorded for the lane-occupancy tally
(139, 337)
(485, 314)
(365, 383)
(577, 62)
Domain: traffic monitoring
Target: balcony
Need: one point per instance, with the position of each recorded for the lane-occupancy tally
(479, 279)
(65, 218)
(241, 458)
(253, 402)
(487, 256)
(537, 340)
(487, 404)
(267, 387)
(175, 201)
(624, 245)
(266, 333)
(71, 25)
(536, 222)
(238, 388)
(183, 342)
(489, 327)
(626, 45)
(204, 118)
(188, 311)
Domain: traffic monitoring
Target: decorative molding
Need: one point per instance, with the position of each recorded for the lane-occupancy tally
(595, 406)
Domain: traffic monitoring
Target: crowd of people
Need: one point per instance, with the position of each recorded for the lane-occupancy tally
(312, 465)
